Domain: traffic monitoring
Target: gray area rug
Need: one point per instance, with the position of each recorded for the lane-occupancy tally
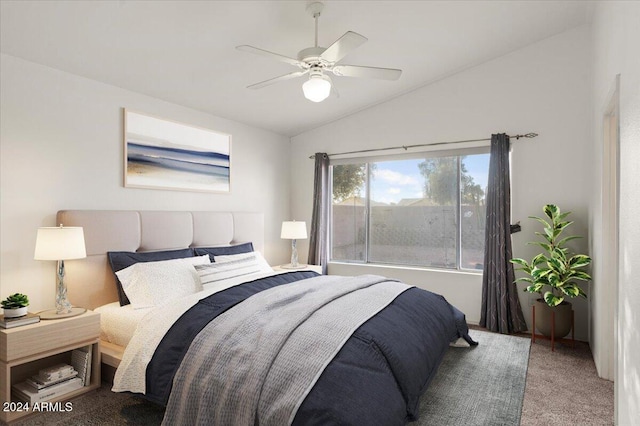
(482, 385)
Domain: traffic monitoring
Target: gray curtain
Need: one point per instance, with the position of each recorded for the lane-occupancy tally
(318, 236)
(501, 309)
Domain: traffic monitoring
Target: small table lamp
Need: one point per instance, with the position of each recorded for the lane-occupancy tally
(61, 243)
(293, 231)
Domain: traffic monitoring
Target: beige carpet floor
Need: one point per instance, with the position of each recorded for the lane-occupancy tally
(563, 388)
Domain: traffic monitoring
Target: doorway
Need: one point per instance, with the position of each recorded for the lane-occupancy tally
(608, 292)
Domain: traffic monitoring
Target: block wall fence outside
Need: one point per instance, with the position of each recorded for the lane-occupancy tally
(415, 235)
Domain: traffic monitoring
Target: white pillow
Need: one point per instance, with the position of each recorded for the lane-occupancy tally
(232, 266)
(155, 283)
(264, 266)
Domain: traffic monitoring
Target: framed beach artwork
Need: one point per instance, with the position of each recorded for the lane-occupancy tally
(162, 154)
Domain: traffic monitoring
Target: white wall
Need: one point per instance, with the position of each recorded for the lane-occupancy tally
(616, 43)
(542, 88)
(62, 148)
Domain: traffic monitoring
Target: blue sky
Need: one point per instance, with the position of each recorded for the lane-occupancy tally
(395, 180)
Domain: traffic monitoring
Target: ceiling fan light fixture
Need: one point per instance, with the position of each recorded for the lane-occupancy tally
(317, 88)
(316, 61)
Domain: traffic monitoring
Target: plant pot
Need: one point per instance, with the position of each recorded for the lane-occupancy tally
(17, 312)
(563, 316)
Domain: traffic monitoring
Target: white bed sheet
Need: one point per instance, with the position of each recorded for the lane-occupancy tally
(131, 373)
(119, 323)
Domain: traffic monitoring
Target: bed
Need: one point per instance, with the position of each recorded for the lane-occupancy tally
(257, 346)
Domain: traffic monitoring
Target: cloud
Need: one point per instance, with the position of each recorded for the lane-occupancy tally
(395, 178)
(391, 186)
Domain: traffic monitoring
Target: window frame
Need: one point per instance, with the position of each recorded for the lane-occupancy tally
(458, 153)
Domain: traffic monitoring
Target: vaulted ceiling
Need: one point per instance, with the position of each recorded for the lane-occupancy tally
(184, 51)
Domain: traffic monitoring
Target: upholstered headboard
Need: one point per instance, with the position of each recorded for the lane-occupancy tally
(90, 281)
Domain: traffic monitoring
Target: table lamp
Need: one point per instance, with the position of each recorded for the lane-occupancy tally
(293, 231)
(60, 243)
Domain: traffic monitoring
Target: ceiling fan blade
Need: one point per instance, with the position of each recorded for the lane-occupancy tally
(276, 56)
(341, 47)
(277, 79)
(366, 72)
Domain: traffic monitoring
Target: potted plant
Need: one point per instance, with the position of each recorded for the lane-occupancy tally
(15, 305)
(554, 272)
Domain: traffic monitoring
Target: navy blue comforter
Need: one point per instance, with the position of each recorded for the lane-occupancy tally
(376, 378)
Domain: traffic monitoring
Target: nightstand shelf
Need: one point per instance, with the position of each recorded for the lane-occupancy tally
(27, 349)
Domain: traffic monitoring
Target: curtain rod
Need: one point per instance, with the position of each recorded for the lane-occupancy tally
(406, 147)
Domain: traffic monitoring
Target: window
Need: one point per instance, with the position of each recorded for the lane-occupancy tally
(426, 211)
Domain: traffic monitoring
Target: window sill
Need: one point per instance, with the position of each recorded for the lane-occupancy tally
(407, 268)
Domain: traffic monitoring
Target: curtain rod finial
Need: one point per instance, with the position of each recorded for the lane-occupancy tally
(530, 135)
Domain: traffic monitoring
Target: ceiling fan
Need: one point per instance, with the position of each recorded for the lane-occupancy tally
(317, 61)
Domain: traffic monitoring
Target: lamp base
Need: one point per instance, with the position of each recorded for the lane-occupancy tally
(52, 314)
(290, 266)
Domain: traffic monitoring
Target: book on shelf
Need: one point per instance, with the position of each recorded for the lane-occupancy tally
(81, 361)
(18, 321)
(37, 383)
(55, 372)
(26, 393)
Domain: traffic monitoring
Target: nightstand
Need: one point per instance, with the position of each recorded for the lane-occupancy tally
(27, 349)
(314, 268)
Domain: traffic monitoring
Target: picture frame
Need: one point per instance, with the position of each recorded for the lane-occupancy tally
(168, 155)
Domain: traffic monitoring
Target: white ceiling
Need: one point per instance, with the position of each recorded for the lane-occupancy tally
(184, 51)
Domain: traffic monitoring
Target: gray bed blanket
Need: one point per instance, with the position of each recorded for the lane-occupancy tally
(260, 359)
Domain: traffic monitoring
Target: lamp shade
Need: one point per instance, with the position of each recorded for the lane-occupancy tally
(317, 88)
(60, 243)
(293, 230)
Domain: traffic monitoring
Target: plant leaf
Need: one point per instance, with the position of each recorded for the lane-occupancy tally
(570, 289)
(551, 210)
(565, 239)
(582, 293)
(541, 220)
(535, 288)
(538, 259)
(563, 215)
(554, 279)
(545, 236)
(579, 260)
(545, 246)
(552, 300)
(538, 273)
(550, 234)
(555, 263)
(559, 253)
(580, 275)
(519, 261)
(562, 225)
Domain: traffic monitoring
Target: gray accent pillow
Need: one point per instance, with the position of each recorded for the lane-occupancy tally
(223, 251)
